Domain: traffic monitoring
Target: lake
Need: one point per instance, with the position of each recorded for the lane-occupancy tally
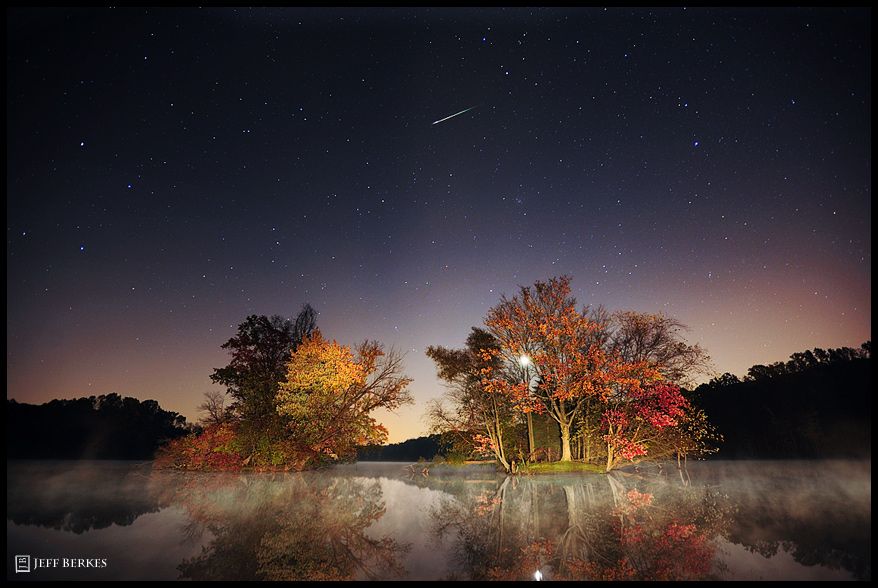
(733, 520)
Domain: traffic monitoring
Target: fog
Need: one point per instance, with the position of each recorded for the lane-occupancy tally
(769, 520)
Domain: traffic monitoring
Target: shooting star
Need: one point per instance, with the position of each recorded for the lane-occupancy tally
(453, 115)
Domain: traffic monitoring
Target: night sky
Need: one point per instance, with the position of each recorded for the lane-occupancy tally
(170, 171)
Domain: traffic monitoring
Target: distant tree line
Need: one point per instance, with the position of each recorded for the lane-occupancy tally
(816, 405)
(98, 427)
(800, 362)
(410, 450)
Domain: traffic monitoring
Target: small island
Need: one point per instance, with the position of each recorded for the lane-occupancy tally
(611, 382)
(300, 401)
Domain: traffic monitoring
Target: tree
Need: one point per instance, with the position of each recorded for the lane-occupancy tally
(213, 408)
(725, 379)
(329, 391)
(694, 435)
(305, 323)
(657, 339)
(759, 372)
(635, 416)
(566, 346)
(477, 416)
(260, 351)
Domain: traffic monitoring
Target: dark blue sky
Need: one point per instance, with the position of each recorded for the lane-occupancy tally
(170, 171)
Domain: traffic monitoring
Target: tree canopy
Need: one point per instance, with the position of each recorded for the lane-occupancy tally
(298, 399)
(472, 413)
(259, 352)
(610, 380)
(330, 392)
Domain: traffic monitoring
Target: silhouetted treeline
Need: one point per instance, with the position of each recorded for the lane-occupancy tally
(102, 427)
(409, 450)
(816, 405)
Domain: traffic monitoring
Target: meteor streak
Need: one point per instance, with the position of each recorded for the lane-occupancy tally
(453, 115)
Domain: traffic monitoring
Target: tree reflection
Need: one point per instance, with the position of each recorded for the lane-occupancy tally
(657, 535)
(287, 527)
(321, 524)
(78, 497)
(816, 514)
(601, 529)
(483, 531)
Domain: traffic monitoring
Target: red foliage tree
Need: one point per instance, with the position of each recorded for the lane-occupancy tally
(636, 415)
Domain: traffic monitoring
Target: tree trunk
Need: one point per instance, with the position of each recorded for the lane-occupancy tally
(501, 494)
(499, 450)
(535, 512)
(618, 488)
(565, 442)
(500, 454)
(530, 436)
(570, 496)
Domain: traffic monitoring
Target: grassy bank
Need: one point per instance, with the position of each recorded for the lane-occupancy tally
(535, 468)
(560, 467)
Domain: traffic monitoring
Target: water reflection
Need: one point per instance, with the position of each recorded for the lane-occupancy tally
(378, 521)
(287, 527)
(818, 512)
(604, 528)
(79, 496)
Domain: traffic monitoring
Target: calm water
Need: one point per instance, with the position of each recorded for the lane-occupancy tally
(722, 520)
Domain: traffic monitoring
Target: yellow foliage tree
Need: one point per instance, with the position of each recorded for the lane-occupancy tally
(330, 391)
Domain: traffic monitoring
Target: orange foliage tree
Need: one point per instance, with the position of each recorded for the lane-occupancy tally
(330, 391)
(473, 414)
(575, 372)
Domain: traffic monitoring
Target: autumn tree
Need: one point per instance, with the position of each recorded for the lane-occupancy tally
(260, 351)
(567, 349)
(469, 410)
(329, 392)
(693, 435)
(636, 415)
(658, 340)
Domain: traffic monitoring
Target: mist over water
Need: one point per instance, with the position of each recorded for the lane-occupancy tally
(772, 520)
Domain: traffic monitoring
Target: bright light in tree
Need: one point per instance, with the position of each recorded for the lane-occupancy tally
(538, 575)
(524, 360)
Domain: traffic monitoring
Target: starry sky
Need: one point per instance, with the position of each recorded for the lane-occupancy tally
(171, 171)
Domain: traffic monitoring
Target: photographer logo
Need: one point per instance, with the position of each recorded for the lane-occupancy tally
(26, 564)
(22, 563)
